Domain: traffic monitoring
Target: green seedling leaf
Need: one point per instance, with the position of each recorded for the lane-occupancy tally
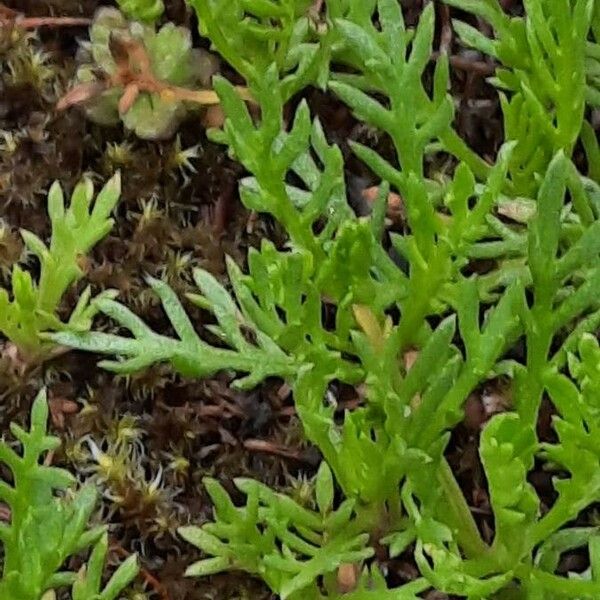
(49, 523)
(75, 230)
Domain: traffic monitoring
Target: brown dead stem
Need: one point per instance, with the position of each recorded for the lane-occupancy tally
(11, 18)
(150, 579)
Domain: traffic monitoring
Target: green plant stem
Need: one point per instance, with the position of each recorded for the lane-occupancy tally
(539, 340)
(424, 288)
(300, 233)
(552, 521)
(458, 514)
(53, 284)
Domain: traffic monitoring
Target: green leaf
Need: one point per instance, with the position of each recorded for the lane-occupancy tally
(48, 523)
(324, 489)
(74, 232)
(208, 566)
(507, 451)
(144, 10)
(545, 231)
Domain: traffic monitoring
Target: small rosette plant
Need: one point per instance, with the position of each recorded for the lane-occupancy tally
(144, 77)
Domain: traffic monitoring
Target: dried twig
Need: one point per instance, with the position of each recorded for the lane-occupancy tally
(11, 18)
(446, 29)
(316, 7)
(35, 22)
(266, 447)
(479, 67)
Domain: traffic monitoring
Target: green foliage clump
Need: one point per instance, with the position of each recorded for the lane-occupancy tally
(33, 307)
(543, 76)
(291, 546)
(165, 56)
(254, 37)
(389, 61)
(49, 524)
(531, 216)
